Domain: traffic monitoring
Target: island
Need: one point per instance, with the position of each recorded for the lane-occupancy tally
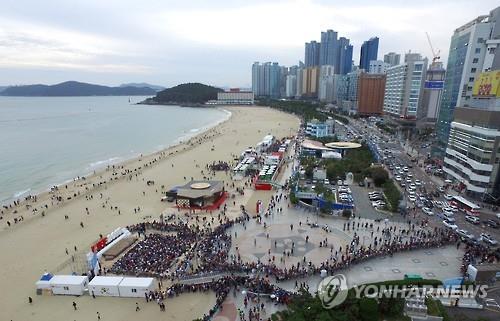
(75, 88)
(189, 95)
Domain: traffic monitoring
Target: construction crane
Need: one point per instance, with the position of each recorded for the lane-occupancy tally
(434, 54)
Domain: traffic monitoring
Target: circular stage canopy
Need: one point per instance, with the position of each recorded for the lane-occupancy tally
(200, 185)
(343, 145)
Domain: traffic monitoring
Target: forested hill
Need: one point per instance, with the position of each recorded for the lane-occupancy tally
(74, 88)
(185, 94)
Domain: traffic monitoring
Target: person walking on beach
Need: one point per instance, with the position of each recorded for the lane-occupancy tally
(98, 316)
(74, 306)
(30, 300)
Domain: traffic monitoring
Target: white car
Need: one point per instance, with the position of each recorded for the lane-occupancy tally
(378, 203)
(450, 225)
(465, 234)
(448, 197)
(412, 198)
(408, 180)
(488, 239)
(453, 208)
(398, 178)
(498, 215)
(418, 183)
(413, 186)
(448, 210)
(427, 211)
(472, 219)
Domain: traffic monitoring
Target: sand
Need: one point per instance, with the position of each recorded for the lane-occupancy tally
(38, 244)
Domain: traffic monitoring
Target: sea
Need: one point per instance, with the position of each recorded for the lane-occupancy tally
(47, 141)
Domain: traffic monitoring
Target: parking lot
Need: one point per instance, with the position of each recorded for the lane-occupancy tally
(420, 189)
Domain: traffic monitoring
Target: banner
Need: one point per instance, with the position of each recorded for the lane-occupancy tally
(487, 85)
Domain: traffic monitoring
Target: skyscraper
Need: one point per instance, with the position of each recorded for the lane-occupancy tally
(433, 90)
(343, 63)
(266, 79)
(392, 58)
(311, 56)
(369, 51)
(329, 44)
(404, 87)
(326, 84)
(465, 62)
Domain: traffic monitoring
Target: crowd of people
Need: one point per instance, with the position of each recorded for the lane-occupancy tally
(256, 288)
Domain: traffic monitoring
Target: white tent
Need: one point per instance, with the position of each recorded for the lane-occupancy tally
(105, 285)
(69, 284)
(136, 287)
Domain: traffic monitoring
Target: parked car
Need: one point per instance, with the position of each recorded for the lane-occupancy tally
(465, 234)
(488, 239)
(491, 223)
(450, 225)
(427, 211)
(448, 197)
(472, 219)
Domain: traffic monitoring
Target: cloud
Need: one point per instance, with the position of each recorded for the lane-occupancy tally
(168, 41)
(27, 45)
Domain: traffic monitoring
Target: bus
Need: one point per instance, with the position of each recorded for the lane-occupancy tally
(465, 206)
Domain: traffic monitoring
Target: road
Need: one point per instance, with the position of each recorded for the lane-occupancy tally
(401, 154)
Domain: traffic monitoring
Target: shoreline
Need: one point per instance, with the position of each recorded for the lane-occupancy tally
(118, 161)
(38, 244)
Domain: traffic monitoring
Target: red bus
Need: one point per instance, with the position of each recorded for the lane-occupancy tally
(465, 206)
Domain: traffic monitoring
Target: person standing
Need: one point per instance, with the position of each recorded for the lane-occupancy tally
(30, 300)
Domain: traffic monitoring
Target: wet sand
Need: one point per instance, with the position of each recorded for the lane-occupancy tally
(38, 243)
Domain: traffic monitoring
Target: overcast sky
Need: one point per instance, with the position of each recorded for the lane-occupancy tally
(168, 42)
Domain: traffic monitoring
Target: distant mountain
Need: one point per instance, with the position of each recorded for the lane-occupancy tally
(186, 94)
(74, 88)
(142, 85)
(2, 88)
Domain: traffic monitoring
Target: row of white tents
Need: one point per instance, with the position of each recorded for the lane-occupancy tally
(116, 286)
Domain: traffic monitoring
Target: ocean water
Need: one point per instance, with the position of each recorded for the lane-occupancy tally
(46, 141)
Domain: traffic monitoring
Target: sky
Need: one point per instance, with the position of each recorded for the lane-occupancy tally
(168, 42)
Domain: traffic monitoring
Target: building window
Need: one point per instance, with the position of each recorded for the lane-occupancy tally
(471, 79)
(475, 60)
(473, 70)
(478, 50)
(66, 288)
(133, 290)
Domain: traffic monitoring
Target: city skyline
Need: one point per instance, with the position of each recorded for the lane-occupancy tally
(214, 43)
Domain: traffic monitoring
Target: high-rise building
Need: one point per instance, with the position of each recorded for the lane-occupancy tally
(328, 48)
(311, 56)
(291, 86)
(466, 57)
(310, 78)
(326, 84)
(431, 98)
(404, 87)
(343, 63)
(377, 67)
(472, 154)
(347, 91)
(266, 79)
(392, 58)
(371, 89)
(369, 51)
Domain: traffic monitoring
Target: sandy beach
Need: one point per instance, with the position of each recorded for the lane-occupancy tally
(113, 198)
